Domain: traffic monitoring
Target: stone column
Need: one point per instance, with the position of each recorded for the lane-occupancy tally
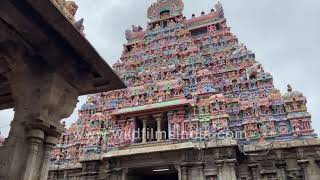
(124, 174)
(35, 138)
(255, 171)
(144, 128)
(50, 142)
(170, 132)
(193, 172)
(178, 168)
(158, 118)
(281, 165)
(132, 135)
(219, 164)
(303, 163)
(201, 172)
(41, 100)
(232, 166)
(184, 173)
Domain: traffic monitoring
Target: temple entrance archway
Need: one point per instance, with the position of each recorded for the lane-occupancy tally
(154, 173)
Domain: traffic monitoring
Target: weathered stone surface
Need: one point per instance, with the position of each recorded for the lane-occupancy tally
(45, 65)
(277, 163)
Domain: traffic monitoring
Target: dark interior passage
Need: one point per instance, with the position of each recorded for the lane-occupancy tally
(151, 173)
(159, 177)
(155, 177)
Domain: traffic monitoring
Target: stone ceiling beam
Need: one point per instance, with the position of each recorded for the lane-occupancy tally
(45, 65)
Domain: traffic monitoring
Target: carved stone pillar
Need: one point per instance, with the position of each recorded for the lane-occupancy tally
(124, 174)
(131, 135)
(303, 163)
(255, 171)
(281, 165)
(201, 172)
(170, 130)
(144, 128)
(41, 100)
(178, 168)
(232, 166)
(219, 165)
(50, 142)
(193, 173)
(35, 138)
(184, 173)
(158, 118)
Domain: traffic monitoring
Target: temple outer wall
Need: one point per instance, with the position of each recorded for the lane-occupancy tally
(288, 160)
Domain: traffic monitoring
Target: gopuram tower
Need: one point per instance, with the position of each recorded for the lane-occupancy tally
(198, 107)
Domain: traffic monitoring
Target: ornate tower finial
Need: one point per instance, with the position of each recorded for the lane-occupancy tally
(172, 7)
(289, 88)
(219, 9)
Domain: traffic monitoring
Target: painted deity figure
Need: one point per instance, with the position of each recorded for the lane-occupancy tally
(296, 126)
(192, 131)
(157, 27)
(60, 3)
(72, 7)
(214, 126)
(127, 132)
(68, 8)
(295, 105)
(221, 125)
(256, 111)
(271, 128)
(179, 19)
(283, 129)
(172, 24)
(176, 130)
(216, 106)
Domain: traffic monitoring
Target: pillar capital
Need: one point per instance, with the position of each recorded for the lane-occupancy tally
(303, 162)
(177, 166)
(231, 161)
(219, 163)
(184, 164)
(125, 170)
(42, 100)
(144, 118)
(35, 134)
(132, 119)
(281, 164)
(51, 140)
(253, 165)
(158, 117)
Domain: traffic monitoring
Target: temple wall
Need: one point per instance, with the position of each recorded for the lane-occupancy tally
(216, 163)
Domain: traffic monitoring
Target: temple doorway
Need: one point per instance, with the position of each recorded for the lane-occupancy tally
(154, 173)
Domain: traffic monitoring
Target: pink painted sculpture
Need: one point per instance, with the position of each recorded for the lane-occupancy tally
(196, 74)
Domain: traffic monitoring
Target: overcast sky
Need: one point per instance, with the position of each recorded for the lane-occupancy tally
(284, 34)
